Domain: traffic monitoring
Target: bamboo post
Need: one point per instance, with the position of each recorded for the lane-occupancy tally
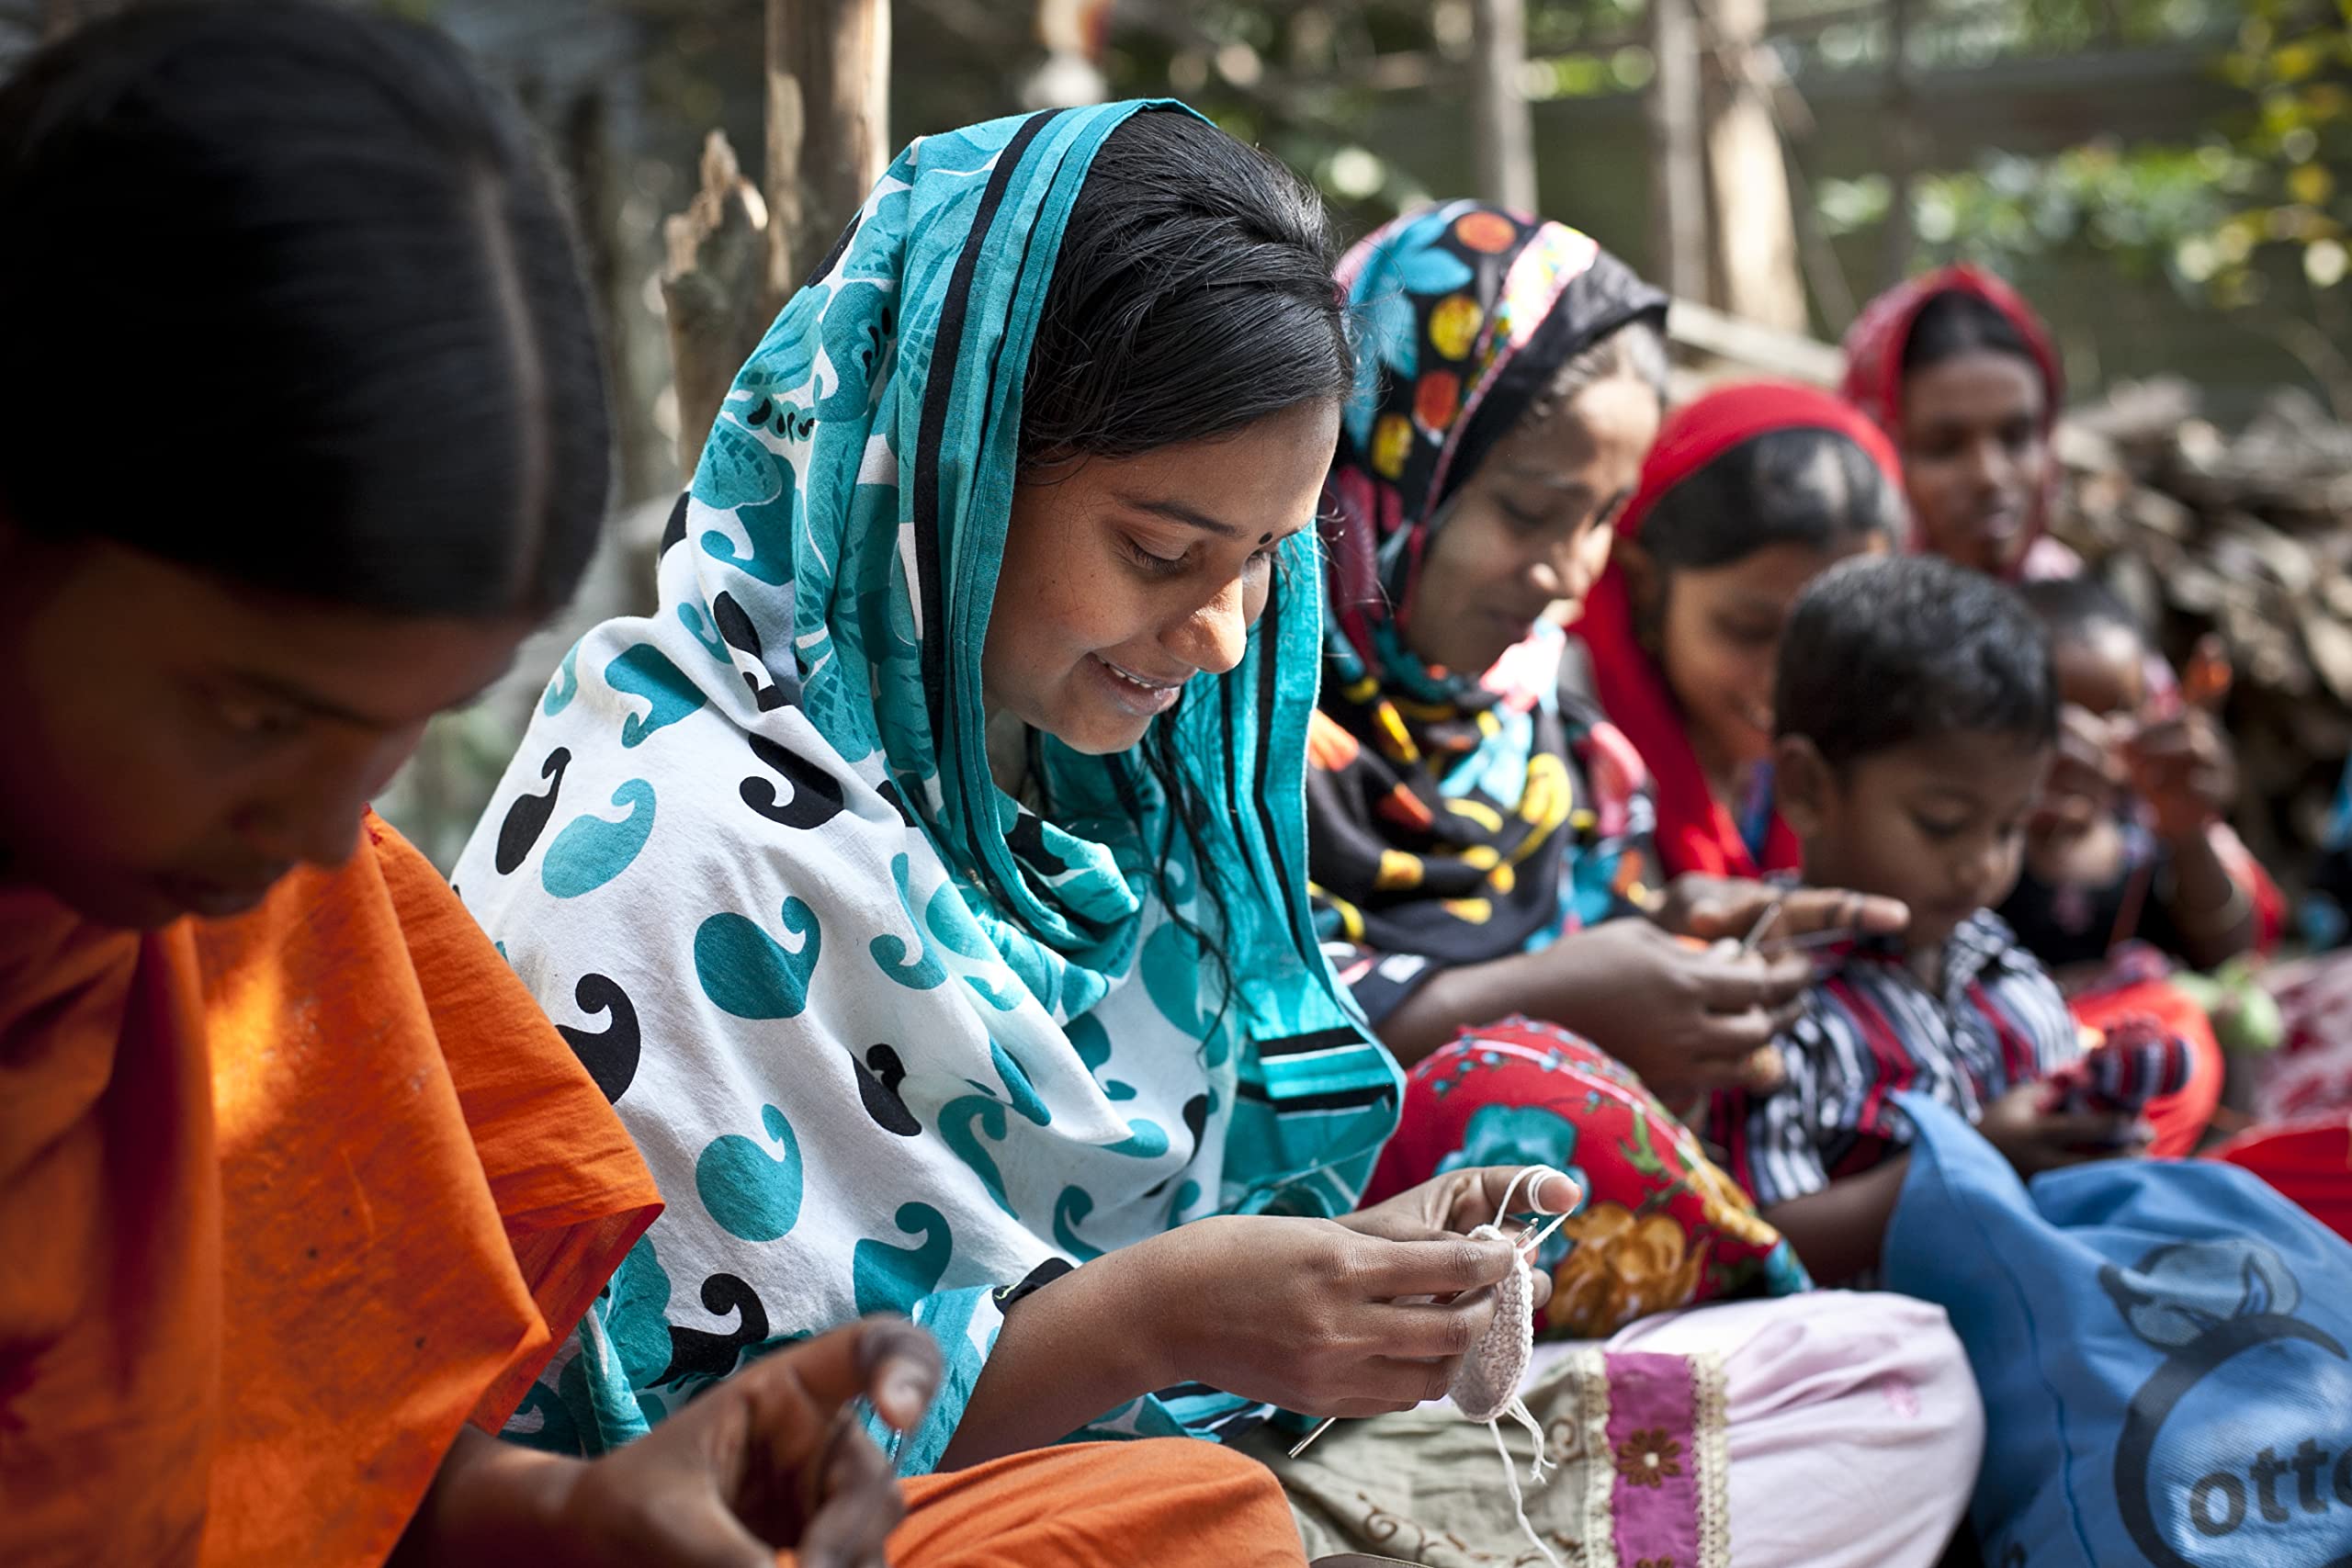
(1503, 131)
(1751, 218)
(1902, 144)
(829, 139)
(1678, 168)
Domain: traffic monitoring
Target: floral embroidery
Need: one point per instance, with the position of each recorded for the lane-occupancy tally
(1650, 1457)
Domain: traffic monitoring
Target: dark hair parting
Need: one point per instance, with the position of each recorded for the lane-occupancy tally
(1955, 322)
(291, 302)
(1797, 486)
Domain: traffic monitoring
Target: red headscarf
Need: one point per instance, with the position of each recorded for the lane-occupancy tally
(1874, 347)
(1694, 832)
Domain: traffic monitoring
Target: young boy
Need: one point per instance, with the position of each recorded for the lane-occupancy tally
(1916, 716)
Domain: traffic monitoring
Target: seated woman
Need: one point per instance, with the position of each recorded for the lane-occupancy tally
(1962, 375)
(1750, 494)
(955, 888)
(1478, 839)
(1479, 842)
(298, 1186)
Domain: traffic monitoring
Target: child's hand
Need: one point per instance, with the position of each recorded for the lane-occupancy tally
(2033, 1140)
(2086, 774)
(2184, 769)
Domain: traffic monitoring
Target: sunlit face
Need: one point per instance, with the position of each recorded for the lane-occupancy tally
(1717, 631)
(1530, 527)
(1975, 459)
(178, 743)
(1939, 824)
(1123, 578)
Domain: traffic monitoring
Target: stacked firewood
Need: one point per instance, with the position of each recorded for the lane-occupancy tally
(2247, 537)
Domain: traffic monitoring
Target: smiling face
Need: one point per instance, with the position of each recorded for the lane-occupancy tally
(1123, 578)
(1530, 527)
(178, 744)
(1974, 456)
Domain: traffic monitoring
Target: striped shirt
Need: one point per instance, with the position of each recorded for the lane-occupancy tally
(1869, 1030)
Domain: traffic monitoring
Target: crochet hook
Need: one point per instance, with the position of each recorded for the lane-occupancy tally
(1763, 924)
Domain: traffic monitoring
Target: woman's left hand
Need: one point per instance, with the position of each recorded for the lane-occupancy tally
(1723, 909)
(1461, 1200)
(2184, 769)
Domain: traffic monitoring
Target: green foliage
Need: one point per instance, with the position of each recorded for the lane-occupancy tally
(2204, 214)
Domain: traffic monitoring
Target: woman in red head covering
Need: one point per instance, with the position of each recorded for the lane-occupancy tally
(1961, 375)
(1749, 493)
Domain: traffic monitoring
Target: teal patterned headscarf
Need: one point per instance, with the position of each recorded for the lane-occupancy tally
(888, 1038)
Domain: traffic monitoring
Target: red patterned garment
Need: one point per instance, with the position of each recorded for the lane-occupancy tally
(1659, 1226)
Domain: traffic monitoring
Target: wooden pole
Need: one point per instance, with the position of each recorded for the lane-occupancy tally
(828, 137)
(1678, 166)
(1503, 131)
(1902, 145)
(1751, 218)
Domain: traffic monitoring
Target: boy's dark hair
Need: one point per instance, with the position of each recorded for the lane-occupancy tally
(2071, 608)
(1880, 653)
(1798, 486)
(290, 302)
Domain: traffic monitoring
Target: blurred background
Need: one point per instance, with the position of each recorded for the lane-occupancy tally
(2165, 179)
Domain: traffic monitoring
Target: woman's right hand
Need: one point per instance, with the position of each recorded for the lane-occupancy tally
(773, 1458)
(1310, 1315)
(1686, 1018)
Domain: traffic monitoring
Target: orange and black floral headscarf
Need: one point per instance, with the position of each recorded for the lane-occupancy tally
(1436, 798)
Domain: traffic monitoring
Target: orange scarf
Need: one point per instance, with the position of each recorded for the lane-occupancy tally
(283, 1201)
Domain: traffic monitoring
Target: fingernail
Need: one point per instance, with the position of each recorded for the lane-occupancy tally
(905, 1392)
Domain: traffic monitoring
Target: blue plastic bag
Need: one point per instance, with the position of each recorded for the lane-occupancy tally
(2164, 1350)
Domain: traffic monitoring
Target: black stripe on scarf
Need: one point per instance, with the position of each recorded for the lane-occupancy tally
(938, 393)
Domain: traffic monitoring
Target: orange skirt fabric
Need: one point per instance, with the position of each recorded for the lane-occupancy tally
(283, 1201)
(1170, 1502)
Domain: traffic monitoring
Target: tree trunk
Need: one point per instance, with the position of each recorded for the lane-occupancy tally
(829, 136)
(1678, 155)
(1504, 133)
(714, 286)
(1754, 264)
(595, 168)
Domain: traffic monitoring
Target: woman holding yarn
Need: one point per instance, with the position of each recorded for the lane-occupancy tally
(938, 839)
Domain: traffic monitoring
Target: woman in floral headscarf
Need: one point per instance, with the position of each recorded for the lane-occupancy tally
(1478, 839)
(1479, 848)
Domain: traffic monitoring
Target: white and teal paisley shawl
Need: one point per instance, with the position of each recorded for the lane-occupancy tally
(888, 1039)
